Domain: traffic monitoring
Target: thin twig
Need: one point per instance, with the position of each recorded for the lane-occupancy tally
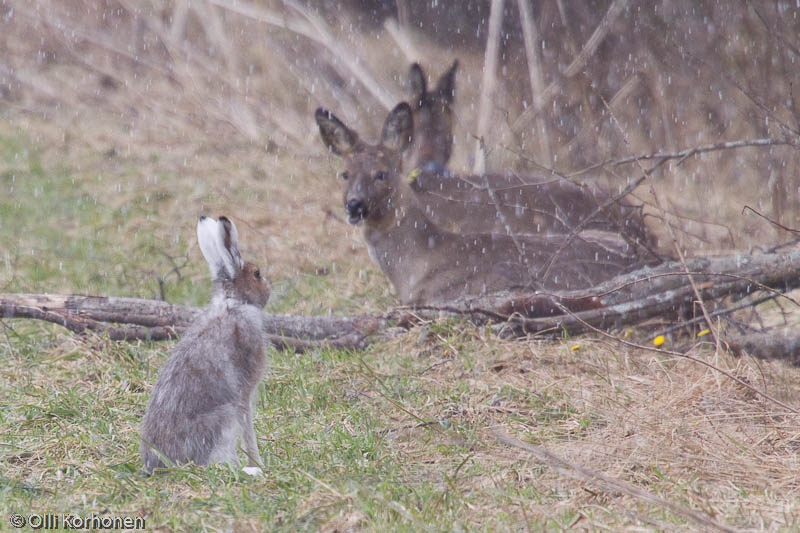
(686, 356)
(794, 131)
(575, 231)
(675, 243)
(609, 483)
(685, 154)
(682, 259)
(718, 313)
(591, 127)
(773, 222)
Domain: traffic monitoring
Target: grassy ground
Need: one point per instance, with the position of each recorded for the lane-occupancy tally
(98, 199)
(399, 436)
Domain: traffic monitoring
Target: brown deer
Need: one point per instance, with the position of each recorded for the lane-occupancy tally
(504, 203)
(427, 264)
(516, 205)
(433, 119)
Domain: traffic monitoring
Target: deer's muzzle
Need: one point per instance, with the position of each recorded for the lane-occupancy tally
(356, 210)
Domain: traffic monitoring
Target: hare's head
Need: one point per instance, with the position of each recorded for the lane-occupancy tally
(374, 173)
(235, 278)
(433, 118)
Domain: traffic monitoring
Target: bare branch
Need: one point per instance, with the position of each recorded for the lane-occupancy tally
(156, 320)
(623, 302)
(315, 29)
(662, 157)
(773, 222)
(404, 40)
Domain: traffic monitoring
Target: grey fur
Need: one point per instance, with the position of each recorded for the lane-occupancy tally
(202, 402)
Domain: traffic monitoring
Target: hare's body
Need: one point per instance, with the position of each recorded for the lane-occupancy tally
(202, 403)
(427, 263)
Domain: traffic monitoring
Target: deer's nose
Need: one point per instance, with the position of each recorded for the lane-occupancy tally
(356, 209)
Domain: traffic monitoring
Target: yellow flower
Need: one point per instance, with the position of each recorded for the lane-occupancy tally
(659, 340)
(704, 332)
(575, 347)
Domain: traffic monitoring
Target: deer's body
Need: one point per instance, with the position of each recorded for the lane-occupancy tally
(503, 203)
(427, 263)
(515, 205)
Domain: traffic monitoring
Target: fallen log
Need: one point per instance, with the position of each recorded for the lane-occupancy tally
(139, 319)
(636, 297)
(622, 302)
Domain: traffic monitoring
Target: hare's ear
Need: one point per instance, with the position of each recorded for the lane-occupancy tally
(219, 243)
(230, 239)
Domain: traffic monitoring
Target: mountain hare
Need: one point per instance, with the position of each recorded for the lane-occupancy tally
(202, 402)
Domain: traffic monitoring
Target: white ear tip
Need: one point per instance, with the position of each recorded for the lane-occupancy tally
(206, 223)
(219, 248)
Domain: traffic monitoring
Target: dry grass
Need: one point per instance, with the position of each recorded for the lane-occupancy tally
(119, 124)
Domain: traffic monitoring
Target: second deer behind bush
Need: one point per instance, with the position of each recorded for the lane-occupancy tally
(504, 203)
(433, 119)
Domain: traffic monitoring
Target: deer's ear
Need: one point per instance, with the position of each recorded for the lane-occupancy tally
(398, 129)
(416, 80)
(446, 87)
(337, 137)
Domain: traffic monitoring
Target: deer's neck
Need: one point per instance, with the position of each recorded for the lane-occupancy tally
(407, 249)
(409, 227)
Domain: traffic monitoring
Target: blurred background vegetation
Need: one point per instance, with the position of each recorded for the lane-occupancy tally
(167, 84)
(122, 120)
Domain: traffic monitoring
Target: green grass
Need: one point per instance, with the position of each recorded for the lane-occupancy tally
(61, 231)
(348, 439)
(326, 423)
(395, 437)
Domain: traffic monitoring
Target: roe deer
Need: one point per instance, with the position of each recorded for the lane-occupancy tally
(433, 119)
(504, 203)
(428, 264)
(514, 205)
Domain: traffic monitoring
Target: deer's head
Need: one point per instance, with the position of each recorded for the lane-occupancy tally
(372, 179)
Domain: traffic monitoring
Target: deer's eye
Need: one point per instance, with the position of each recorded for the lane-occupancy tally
(257, 274)
(380, 176)
(345, 175)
